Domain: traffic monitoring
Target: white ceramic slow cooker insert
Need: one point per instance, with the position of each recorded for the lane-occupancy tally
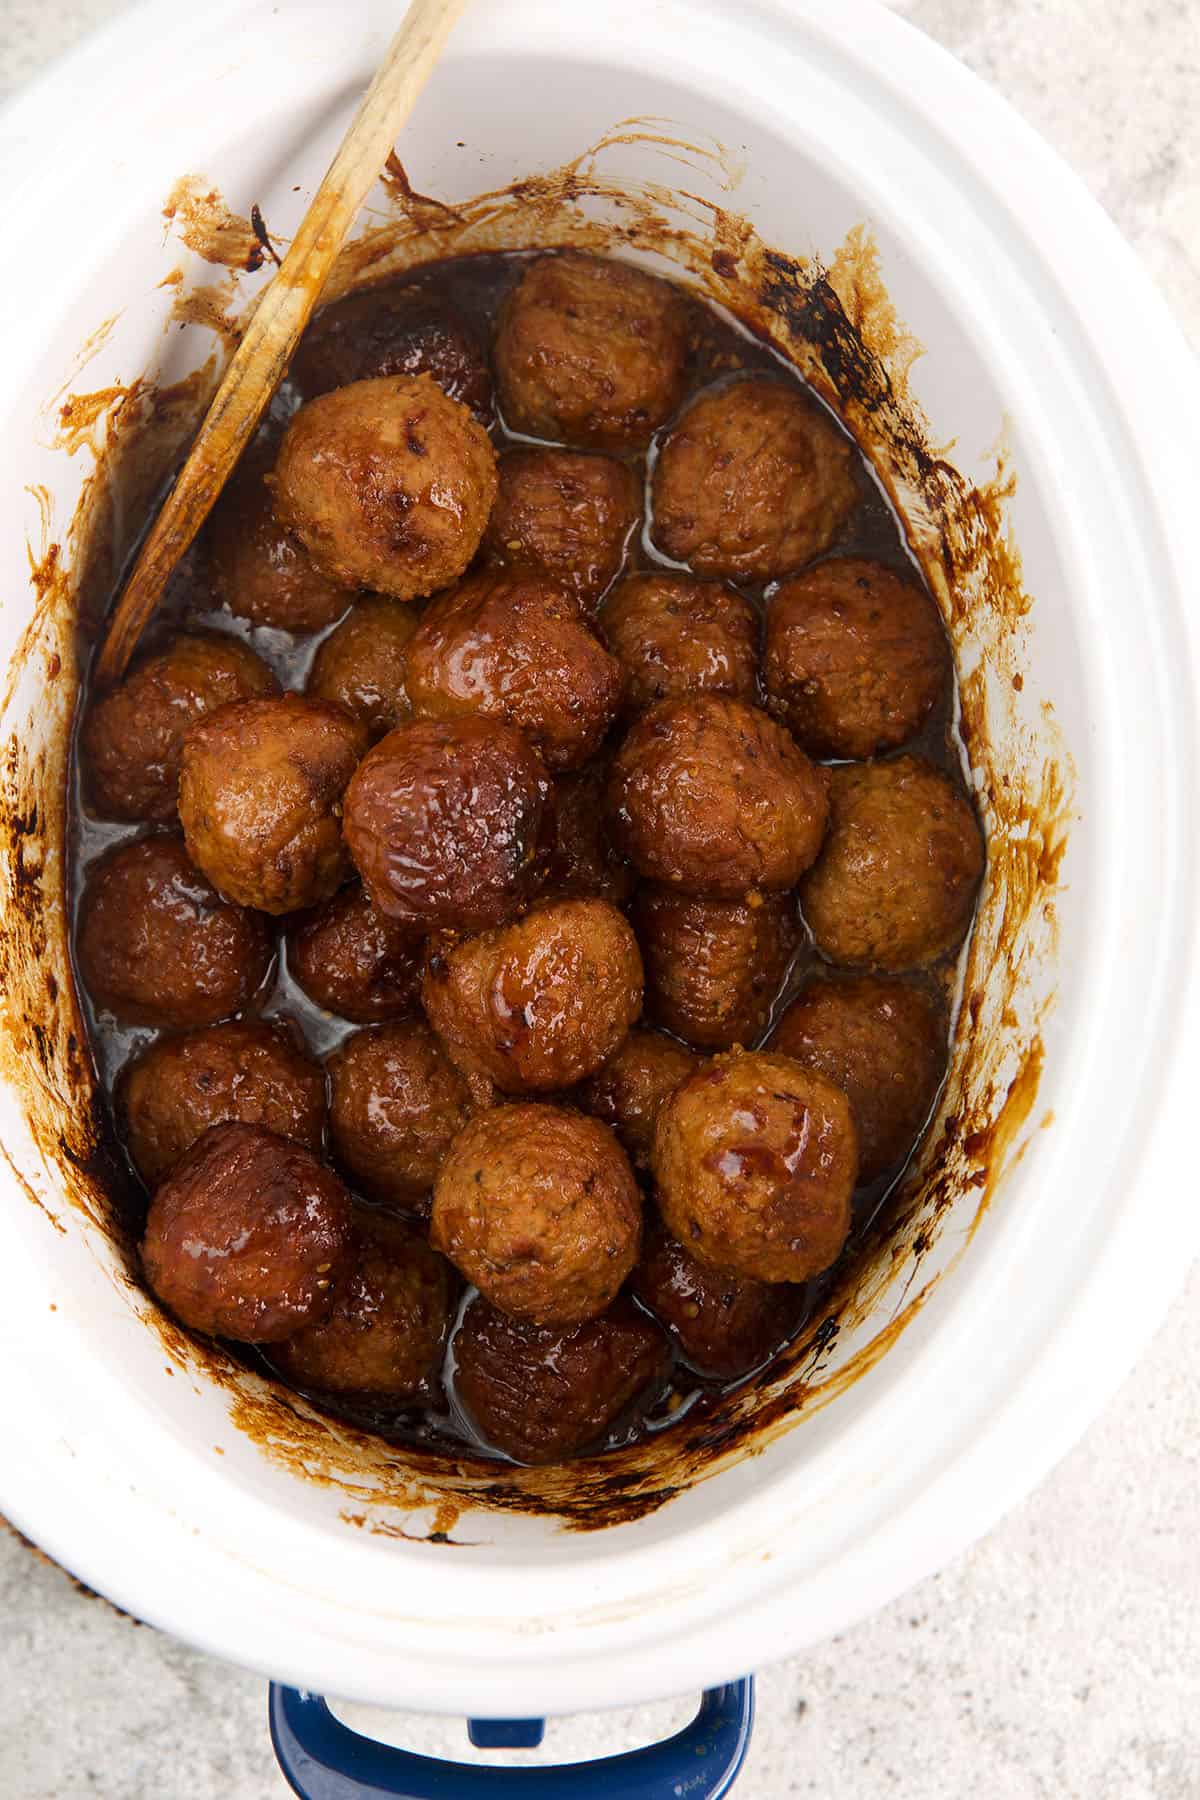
(1040, 334)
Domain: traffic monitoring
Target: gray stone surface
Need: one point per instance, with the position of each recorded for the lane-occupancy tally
(1059, 1659)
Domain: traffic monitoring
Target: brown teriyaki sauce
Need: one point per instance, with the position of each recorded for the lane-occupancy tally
(474, 287)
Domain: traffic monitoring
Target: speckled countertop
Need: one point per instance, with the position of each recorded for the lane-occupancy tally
(1061, 1657)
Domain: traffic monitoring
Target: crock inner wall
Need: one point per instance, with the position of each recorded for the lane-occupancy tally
(686, 205)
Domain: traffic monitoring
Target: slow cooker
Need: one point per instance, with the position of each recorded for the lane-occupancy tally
(1030, 408)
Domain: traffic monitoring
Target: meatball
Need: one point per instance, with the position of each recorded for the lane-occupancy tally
(711, 796)
(752, 482)
(445, 822)
(856, 658)
(388, 484)
(260, 568)
(590, 352)
(361, 664)
(247, 1235)
(714, 968)
(582, 861)
(156, 943)
(538, 1004)
(629, 1089)
(353, 961)
(396, 1105)
(755, 1159)
(674, 635)
(566, 516)
(131, 744)
(724, 1324)
(541, 1395)
(393, 329)
(514, 647)
(260, 799)
(884, 1044)
(538, 1207)
(246, 1070)
(386, 1331)
(895, 884)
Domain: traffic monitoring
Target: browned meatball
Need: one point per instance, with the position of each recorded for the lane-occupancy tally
(582, 861)
(674, 635)
(131, 744)
(856, 657)
(260, 799)
(756, 1159)
(565, 515)
(538, 1207)
(243, 1070)
(247, 1235)
(753, 481)
(260, 568)
(724, 1324)
(354, 961)
(884, 1044)
(541, 1395)
(711, 796)
(361, 664)
(714, 967)
(394, 329)
(538, 1004)
(895, 884)
(157, 945)
(388, 484)
(396, 1105)
(445, 823)
(514, 647)
(629, 1089)
(386, 1331)
(591, 352)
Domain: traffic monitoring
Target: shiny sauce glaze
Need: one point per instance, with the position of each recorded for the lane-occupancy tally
(472, 290)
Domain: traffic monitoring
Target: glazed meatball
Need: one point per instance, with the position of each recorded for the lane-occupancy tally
(856, 658)
(884, 1044)
(714, 968)
(514, 647)
(755, 1159)
(396, 1105)
(541, 1395)
(446, 820)
(353, 961)
(538, 1207)
(590, 352)
(711, 796)
(156, 943)
(539, 1004)
(260, 799)
(247, 1235)
(260, 568)
(361, 664)
(674, 635)
(629, 1089)
(246, 1070)
(131, 744)
(564, 515)
(724, 1324)
(895, 884)
(386, 1331)
(753, 481)
(395, 329)
(388, 484)
(582, 860)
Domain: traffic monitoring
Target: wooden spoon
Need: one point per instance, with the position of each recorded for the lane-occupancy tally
(261, 359)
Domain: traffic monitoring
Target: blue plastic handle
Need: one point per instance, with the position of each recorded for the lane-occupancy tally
(323, 1759)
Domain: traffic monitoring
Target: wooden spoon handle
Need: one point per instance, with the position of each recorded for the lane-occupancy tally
(261, 359)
